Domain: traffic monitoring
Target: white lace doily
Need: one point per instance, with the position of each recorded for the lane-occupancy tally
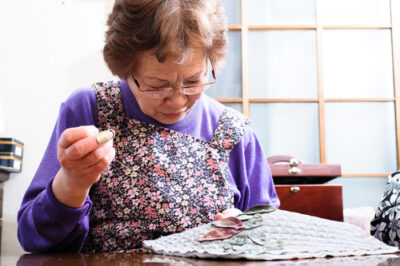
(303, 236)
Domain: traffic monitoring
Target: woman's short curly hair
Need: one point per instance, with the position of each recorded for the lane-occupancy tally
(169, 27)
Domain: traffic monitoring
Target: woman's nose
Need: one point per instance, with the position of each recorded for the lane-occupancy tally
(177, 98)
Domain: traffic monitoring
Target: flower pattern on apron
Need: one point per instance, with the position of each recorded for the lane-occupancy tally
(161, 182)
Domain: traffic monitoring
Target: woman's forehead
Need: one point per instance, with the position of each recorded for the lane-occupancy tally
(192, 60)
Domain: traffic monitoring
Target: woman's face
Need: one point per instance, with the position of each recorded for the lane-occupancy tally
(150, 73)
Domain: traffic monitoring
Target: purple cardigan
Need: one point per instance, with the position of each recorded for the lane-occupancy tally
(46, 225)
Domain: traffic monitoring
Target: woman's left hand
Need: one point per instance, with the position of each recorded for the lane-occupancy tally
(227, 213)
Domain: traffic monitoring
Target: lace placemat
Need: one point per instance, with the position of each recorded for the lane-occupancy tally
(298, 236)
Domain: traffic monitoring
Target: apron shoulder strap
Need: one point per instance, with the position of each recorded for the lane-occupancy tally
(230, 129)
(109, 103)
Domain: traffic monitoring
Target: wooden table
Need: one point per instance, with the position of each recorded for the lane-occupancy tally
(124, 259)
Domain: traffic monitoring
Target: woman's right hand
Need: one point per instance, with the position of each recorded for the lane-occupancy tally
(82, 159)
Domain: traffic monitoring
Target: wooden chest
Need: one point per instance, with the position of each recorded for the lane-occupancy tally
(302, 187)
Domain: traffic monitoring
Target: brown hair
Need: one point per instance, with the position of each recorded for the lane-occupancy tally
(169, 27)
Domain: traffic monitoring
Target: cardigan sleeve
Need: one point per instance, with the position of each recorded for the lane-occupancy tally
(45, 224)
(385, 225)
(250, 175)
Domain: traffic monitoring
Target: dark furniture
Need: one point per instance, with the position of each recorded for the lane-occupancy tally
(302, 187)
(11, 156)
(3, 177)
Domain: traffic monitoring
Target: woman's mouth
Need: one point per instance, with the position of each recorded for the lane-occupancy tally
(175, 114)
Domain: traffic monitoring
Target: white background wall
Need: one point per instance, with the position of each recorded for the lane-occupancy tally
(48, 48)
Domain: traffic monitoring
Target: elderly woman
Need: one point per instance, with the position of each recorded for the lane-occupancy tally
(177, 158)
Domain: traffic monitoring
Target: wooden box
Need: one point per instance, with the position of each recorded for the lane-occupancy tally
(302, 187)
(11, 154)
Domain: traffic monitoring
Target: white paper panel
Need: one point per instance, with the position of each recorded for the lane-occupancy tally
(232, 10)
(361, 136)
(282, 64)
(355, 12)
(281, 12)
(287, 128)
(229, 80)
(236, 106)
(357, 64)
(361, 192)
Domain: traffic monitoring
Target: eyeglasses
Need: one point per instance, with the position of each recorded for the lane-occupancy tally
(166, 91)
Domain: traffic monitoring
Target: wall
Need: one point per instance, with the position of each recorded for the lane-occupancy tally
(48, 49)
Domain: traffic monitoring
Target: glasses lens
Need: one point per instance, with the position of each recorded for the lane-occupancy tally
(189, 89)
(195, 90)
(158, 94)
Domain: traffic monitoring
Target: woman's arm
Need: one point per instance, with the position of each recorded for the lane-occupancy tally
(44, 223)
(250, 174)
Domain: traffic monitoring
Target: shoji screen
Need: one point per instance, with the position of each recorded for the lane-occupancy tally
(320, 80)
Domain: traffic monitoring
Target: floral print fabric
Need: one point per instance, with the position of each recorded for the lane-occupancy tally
(161, 182)
(386, 223)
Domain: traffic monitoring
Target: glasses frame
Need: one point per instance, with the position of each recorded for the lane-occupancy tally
(170, 89)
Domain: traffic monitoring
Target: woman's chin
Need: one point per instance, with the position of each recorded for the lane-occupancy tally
(170, 118)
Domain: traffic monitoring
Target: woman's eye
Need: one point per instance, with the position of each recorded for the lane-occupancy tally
(193, 81)
(159, 87)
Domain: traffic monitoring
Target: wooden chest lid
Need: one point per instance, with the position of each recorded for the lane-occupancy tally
(286, 169)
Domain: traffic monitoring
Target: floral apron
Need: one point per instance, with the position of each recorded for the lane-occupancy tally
(161, 181)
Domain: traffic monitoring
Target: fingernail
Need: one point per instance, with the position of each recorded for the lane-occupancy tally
(105, 136)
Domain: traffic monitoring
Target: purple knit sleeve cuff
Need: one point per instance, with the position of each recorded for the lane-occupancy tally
(59, 211)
